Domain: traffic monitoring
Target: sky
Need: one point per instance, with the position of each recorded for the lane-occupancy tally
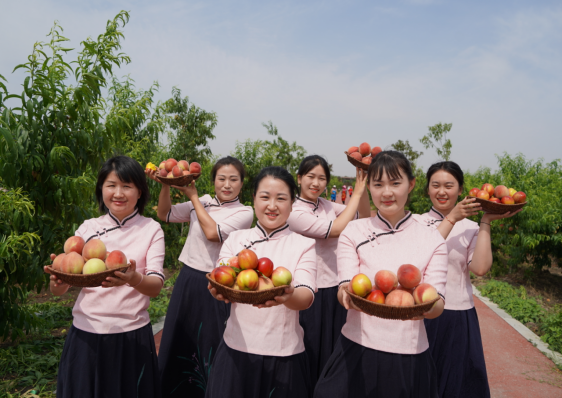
(333, 74)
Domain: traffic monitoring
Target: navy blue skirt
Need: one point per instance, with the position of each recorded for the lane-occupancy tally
(108, 365)
(456, 347)
(194, 326)
(355, 371)
(322, 324)
(237, 374)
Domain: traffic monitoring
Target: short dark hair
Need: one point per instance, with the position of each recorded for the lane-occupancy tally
(310, 162)
(391, 163)
(128, 170)
(229, 161)
(450, 167)
(279, 173)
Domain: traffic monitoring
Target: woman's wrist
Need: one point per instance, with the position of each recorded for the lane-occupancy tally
(134, 283)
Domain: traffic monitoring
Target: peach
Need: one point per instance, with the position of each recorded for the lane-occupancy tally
(170, 175)
(424, 293)
(356, 155)
(170, 164)
(376, 296)
(281, 276)
(364, 149)
(265, 266)
(247, 259)
(386, 281)
(265, 283)
(512, 192)
(495, 200)
(508, 200)
(185, 172)
(501, 191)
(195, 168)
(520, 197)
(94, 266)
(72, 263)
(163, 173)
(233, 262)
(94, 248)
(367, 160)
(353, 149)
(488, 188)
(116, 259)
(247, 279)
(162, 165)
(483, 195)
(182, 164)
(409, 276)
(473, 192)
(177, 172)
(224, 277)
(57, 262)
(229, 270)
(399, 298)
(361, 285)
(74, 244)
(375, 151)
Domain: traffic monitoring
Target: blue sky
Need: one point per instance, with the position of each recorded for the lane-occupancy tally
(332, 74)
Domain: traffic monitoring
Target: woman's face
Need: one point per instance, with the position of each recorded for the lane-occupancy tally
(443, 190)
(313, 183)
(227, 183)
(272, 203)
(390, 195)
(119, 197)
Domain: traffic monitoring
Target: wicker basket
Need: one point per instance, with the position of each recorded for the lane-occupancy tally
(389, 311)
(498, 208)
(356, 162)
(88, 280)
(179, 181)
(246, 297)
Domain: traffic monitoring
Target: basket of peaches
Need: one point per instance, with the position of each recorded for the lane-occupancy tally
(247, 279)
(172, 172)
(499, 199)
(393, 296)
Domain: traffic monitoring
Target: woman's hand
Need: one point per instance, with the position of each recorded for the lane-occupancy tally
(491, 217)
(433, 313)
(56, 282)
(131, 276)
(360, 181)
(346, 300)
(465, 208)
(214, 293)
(278, 300)
(190, 191)
(152, 174)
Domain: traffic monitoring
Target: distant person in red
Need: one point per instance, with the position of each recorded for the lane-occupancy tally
(350, 191)
(343, 192)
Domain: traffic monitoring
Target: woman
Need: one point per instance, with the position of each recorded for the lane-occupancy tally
(109, 350)
(350, 191)
(343, 193)
(454, 337)
(263, 353)
(376, 357)
(317, 218)
(195, 322)
(333, 194)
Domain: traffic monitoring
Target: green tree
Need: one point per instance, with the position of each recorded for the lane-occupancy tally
(437, 138)
(407, 150)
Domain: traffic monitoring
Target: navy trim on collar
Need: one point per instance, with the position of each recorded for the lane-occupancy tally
(403, 220)
(121, 223)
(265, 235)
(310, 203)
(223, 203)
(383, 220)
(433, 209)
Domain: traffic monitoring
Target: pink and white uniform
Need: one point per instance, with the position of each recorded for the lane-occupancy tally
(461, 243)
(314, 220)
(371, 244)
(270, 331)
(199, 252)
(120, 309)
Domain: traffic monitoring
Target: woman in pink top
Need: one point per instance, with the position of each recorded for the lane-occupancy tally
(376, 357)
(322, 220)
(454, 337)
(195, 322)
(109, 350)
(263, 353)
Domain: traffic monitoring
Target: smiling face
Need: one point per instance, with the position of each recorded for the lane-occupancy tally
(272, 203)
(443, 191)
(227, 183)
(390, 195)
(119, 197)
(313, 183)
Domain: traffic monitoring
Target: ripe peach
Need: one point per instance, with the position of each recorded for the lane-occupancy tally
(473, 192)
(361, 285)
(353, 149)
(229, 270)
(185, 172)
(170, 175)
(213, 273)
(233, 262)
(483, 195)
(386, 281)
(281, 276)
(520, 197)
(356, 155)
(162, 165)
(399, 298)
(367, 160)
(364, 149)
(512, 192)
(177, 172)
(224, 277)
(170, 164)
(409, 276)
(72, 263)
(247, 279)
(57, 262)
(265, 266)
(376, 296)
(265, 283)
(247, 259)
(424, 293)
(182, 164)
(94, 248)
(495, 200)
(375, 151)
(488, 188)
(74, 244)
(116, 259)
(501, 191)
(195, 168)
(508, 200)
(94, 266)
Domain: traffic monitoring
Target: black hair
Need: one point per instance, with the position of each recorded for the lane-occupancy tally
(310, 162)
(393, 163)
(448, 166)
(128, 170)
(229, 161)
(279, 173)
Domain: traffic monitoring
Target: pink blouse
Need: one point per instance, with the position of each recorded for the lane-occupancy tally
(370, 245)
(461, 243)
(270, 331)
(120, 309)
(199, 252)
(315, 220)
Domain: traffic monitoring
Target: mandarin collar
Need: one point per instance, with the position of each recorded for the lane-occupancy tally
(278, 233)
(217, 203)
(126, 220)
(382, 223)
(309, 203)
(436, 214)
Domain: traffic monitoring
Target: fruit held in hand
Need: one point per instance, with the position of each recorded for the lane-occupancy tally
(247, 259)
(483, 195)
(356, 156)
(247, 280)
(233, 262)
(182, 164)
(488, 188)
(57, 262)
(361, 285)
(170, 164)
(94, 266)
(376, 296)
(473, 192)
(520, 197)
(224, 276)
(185, 172)
(265, 266)
(508, 200)
(409, 276)
(265, 283)
(162, 165)
(194, 168)
(177, 172)
(94, 248)
(353, 149)
(367, 160)
(512, 192)
(281, 276)
(74, 244)
(399, 298)
(364, 149)
(386, 281)
(72, 263)
(151, 166)
(501, 191)
(375, 151)
(495, 200)
(116, 259)
(424, 293)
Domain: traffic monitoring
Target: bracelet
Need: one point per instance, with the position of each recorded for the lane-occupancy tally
(482, 222)
(142, 277)
(452, 223)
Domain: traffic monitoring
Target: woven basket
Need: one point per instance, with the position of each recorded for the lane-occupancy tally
(179, 181)
(88, 280)
(498, 208)
(356, 162)
(390, 311)
(246, 297)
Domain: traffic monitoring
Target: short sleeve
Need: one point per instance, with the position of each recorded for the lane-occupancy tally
(240, 220)
(348, 258)
(436, 271)
(305, 271)
(307, 224)
(180, 212)
(155, 255)
(339, 208)
(472, 246)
